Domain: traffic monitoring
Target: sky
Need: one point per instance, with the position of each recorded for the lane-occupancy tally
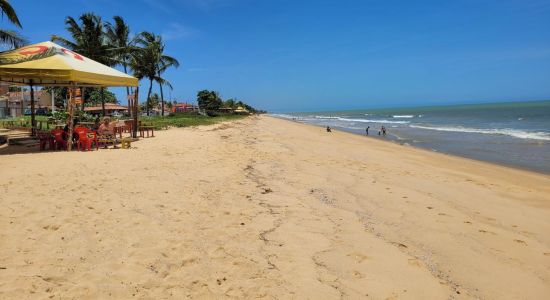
(306, 55)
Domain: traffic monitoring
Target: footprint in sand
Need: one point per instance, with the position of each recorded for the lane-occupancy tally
(485, 231)
(400, 245)
(357, 274)
(415, 262)
(51, 227)
(521, 242)
(546, 253)
(359, 258)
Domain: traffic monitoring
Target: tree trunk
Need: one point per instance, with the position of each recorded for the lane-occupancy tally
(82, 98)
(102, 101)
(149, 96)
(33, 121)
(135, 113)
(126, 71)
(161, 101)
(70, 109)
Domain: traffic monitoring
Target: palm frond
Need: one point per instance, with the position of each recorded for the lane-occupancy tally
(8, 11)
(11, 38)
(64, 42)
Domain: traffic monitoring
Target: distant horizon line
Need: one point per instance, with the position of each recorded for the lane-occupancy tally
(397, 106)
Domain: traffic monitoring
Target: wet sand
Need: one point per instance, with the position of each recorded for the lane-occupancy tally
(268, 208)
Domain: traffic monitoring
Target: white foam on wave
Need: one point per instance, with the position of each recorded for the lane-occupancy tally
(544, 136)
(403, 116)
(373, 121)
(284, 116)
(325, 117)
(360, 120)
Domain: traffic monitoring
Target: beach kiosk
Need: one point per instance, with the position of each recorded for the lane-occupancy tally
(48, 64)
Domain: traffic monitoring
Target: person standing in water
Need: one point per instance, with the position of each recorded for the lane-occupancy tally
(383, 130)
(367, 130)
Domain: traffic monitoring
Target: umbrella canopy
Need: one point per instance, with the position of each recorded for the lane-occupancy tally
(48, 64)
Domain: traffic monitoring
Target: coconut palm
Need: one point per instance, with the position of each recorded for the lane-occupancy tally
(149, 54)
(118, 37)
(139, 63)
(88, 39)
(10, 38)
(163, 63)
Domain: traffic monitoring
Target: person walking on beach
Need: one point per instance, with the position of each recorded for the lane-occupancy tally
(383, 130)
(328, 129)
(367, 130)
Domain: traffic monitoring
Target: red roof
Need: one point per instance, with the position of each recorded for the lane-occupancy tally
(108, 106)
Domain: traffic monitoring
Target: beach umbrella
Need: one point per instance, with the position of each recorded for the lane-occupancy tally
(48, 64)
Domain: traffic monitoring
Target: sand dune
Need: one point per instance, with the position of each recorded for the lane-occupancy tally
(267, 208)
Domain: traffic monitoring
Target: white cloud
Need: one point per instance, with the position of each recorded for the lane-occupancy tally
(177, 31)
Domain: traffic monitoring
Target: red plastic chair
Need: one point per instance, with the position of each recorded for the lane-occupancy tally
(92, 136)
(45, 138)
(58, 140)
(83, 143)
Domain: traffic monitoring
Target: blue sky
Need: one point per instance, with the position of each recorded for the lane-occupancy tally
(291, 55)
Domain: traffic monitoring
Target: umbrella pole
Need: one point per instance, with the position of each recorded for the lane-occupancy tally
(33, 121)
(71, 116)
(135, 115)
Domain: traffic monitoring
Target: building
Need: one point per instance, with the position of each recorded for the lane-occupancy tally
(15, 104)
(241, 110)
(110, 109)
(183, 107)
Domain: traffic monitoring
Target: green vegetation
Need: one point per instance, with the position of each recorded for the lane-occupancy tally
(160, 123)
(213, 103)
(187, 119)
(209, 100)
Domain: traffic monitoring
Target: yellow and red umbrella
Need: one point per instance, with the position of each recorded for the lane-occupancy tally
(48, 64)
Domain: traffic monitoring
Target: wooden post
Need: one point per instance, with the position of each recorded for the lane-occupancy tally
(33, 121)
(135, 116)
(82, 93)
(70, 109)
(102, 95)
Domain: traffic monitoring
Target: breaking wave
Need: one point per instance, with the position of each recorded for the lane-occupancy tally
(544, 136)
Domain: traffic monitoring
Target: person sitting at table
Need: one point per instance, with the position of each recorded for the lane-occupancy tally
(60, 138)
(107, 131)
(66, 131)
(97, 123)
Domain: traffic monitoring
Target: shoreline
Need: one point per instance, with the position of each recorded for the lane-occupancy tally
(395, 141)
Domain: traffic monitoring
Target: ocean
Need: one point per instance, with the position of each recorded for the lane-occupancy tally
(515, 134)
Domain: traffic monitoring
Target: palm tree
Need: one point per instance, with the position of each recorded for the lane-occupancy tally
(149, 55)
(164, 62)
(139, 63)
(118, 37)
(88, 39)
(10, 38)
(163, 82)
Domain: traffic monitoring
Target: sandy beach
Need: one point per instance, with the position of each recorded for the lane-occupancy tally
(268, 208)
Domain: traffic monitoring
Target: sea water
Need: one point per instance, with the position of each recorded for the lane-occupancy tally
(515, 134)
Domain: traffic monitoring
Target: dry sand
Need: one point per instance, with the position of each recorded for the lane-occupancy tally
(266, 208)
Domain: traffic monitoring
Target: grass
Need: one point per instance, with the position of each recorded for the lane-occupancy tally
(187, 119)
(177, 120)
